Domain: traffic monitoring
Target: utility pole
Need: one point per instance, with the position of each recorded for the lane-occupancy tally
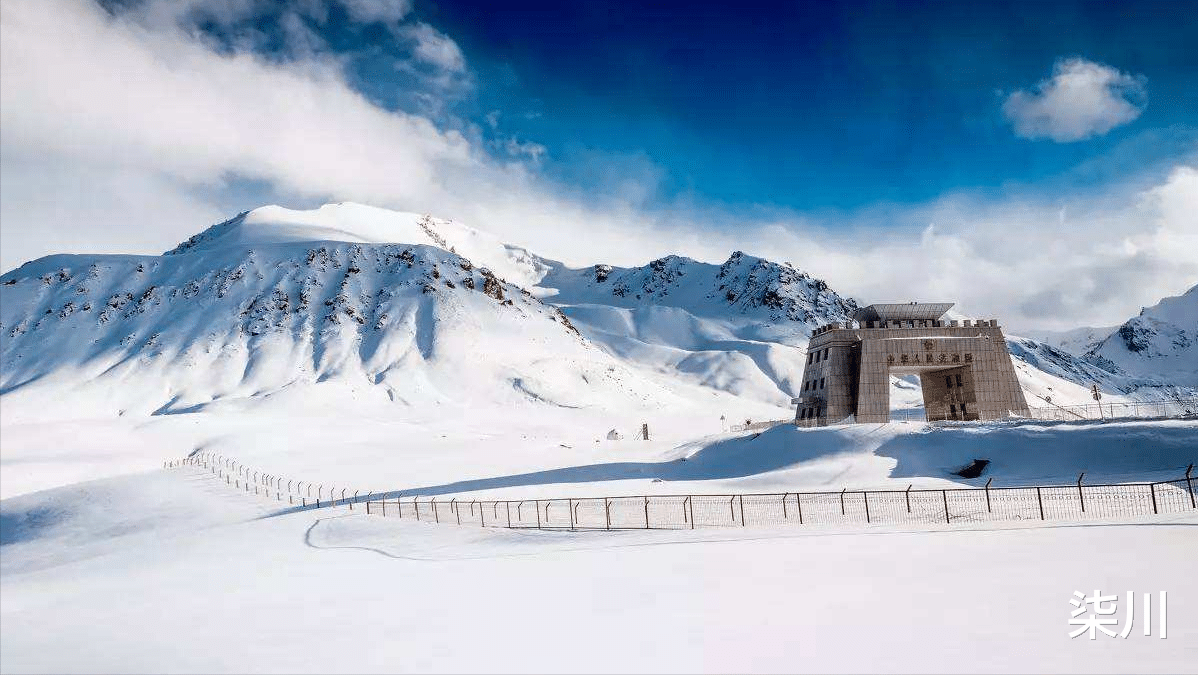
(1098, 398)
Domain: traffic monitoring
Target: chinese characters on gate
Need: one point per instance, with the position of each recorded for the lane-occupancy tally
(930, 358)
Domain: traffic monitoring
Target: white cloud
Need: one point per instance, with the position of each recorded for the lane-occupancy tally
(1082, 99)
(114, 132)
(434, 47)
(518, 148)
(1011, 257)
(380, 11)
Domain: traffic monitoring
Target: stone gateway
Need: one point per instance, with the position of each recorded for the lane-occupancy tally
(964, 368)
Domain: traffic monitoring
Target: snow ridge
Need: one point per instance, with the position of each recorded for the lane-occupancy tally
(1161, 343)
(185, 329)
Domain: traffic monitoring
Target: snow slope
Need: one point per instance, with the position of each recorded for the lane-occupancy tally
(104, 335)
(741, 326)
(170, 572)
(1075, 341)
(361, 224)
(1158, 346)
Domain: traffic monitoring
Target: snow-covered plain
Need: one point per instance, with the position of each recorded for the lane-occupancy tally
(383, 352)
(171, 571)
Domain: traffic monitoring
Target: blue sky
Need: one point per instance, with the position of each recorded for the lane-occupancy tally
(813, 104)
(798, 105)
(1036, 161)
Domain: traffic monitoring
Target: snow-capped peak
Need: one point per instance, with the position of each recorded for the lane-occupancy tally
(1161, 342)
(743, 285)
(361, 224)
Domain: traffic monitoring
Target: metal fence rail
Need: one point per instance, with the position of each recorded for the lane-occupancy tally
(911, 506)
(1075, 502)
(1131, 409)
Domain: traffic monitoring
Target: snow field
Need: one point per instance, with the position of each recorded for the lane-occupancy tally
(207, 582)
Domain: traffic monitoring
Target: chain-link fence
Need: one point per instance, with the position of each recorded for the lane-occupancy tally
(911, 506)
(1075, 502)
(1180, 408)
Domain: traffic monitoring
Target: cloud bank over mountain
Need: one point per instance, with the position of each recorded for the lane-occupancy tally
(111, 120)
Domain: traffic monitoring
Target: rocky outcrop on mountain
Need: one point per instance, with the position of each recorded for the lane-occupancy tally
(744, 285)
(1159, 344)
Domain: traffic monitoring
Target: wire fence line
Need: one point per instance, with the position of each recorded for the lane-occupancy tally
(1179, 408)
(1074, 502)
(923, 506)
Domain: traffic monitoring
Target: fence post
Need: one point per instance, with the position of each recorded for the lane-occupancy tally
(865, 495)
(436, 515)
(507, 506)
(1040, 501)
(842, 501)
(570, 508)
(646, 512)
(988, 493)
(1190, 486)
(784, 496)
(607, 511)
(1081, 495)
(732, 509)
(1152, 489)
(741, 499)
(537, 507)
(799, 504)
(453, 506)
(351, 504)
(690, 504)
(944, 496)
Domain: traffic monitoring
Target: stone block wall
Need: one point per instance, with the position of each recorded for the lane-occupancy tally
(855, 364)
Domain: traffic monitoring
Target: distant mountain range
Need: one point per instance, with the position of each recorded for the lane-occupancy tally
(430, 312)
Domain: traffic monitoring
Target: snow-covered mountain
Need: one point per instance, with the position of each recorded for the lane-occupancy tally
(250, 308)
(741, 326)
(421, 309)
(1075, 341)
(428, 312)
(1159, 345)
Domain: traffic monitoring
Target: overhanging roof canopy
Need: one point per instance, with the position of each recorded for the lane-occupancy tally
(907, 311)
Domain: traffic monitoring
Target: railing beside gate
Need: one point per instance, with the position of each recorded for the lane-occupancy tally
(1179, 408)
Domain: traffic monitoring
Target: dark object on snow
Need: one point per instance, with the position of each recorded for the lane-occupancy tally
(974, 469)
